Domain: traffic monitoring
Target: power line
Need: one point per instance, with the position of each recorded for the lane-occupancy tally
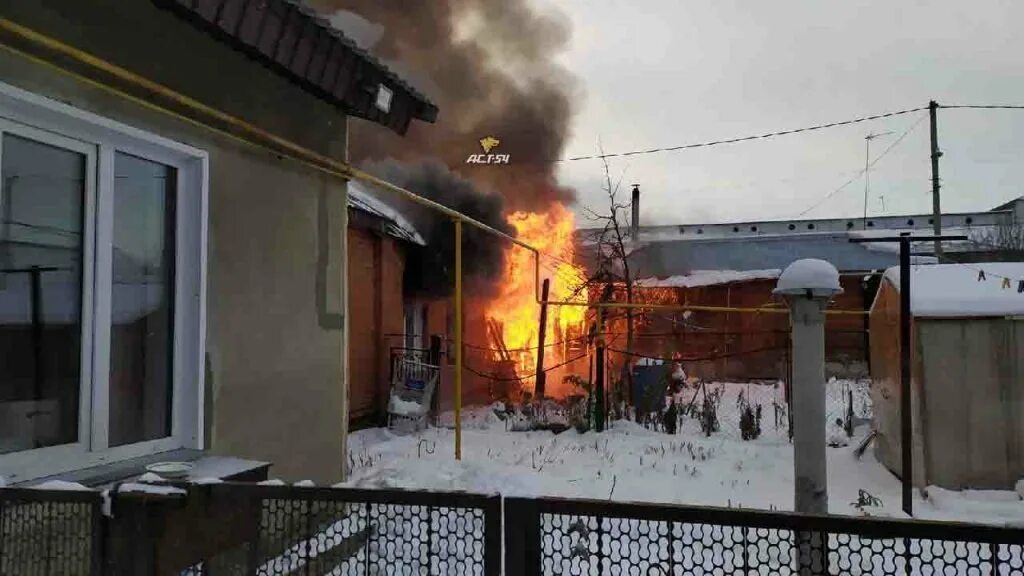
(984, 106)
(744, 138)
(865, 169)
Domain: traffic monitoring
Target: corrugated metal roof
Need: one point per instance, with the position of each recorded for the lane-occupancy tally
(670, 258)
(292, 39)
(395, 223)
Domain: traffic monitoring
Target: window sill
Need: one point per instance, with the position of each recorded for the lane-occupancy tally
(206, 466)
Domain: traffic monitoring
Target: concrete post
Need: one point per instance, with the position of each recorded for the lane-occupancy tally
(810, 475)
(807, 286)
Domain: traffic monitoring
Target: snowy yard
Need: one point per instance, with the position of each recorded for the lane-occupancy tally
(631, 463)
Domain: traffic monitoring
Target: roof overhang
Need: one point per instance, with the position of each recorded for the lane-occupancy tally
(291, 39)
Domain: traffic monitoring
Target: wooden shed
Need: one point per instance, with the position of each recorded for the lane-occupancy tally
(740, 346)
(967, 390)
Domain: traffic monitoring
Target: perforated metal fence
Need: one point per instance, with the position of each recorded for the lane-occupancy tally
(573, 537)
(49, 533)
(245, 529)
(337, 531)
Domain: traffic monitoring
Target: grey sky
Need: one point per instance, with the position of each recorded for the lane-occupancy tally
(662, 73)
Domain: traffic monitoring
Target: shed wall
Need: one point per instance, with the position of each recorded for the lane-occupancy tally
(376, 263)
(744, 345)
(973, 398)
(885, 385)
(967, 401)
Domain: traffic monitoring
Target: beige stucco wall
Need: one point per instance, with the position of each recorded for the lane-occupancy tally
(277, 371)
(275, 291)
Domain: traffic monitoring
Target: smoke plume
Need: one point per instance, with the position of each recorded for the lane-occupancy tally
(489, 66)
(429, 269)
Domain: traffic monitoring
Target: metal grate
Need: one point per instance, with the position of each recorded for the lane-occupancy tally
(549, 536)
(342, 531)
(50, 532)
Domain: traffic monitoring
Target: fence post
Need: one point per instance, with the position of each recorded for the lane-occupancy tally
(493, 531)
(746, 560)
(369, 535)
(98, 526)
(522, 537)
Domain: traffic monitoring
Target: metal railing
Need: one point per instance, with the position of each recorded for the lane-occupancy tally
(554, 536)
(50, 532)
(271, 530)
(251, 529)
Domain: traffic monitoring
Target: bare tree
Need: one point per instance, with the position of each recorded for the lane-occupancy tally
(613, 269)
(1007, 237)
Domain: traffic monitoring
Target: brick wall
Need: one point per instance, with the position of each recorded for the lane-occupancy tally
(376, 313)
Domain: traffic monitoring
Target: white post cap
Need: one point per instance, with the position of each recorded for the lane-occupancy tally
(809, 277)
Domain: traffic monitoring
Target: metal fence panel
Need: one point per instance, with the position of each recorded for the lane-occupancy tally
(243, 529)
(553, 536)
(339, 531)
(50, 532)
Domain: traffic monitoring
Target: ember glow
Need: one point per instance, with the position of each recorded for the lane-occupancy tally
(515, 310)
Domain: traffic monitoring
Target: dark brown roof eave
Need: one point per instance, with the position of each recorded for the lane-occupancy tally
(292, 40)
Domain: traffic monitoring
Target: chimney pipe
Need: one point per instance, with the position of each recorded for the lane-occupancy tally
(634, 228)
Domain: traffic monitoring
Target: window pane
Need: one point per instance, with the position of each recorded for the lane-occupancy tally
(142, 312)
(41, 205)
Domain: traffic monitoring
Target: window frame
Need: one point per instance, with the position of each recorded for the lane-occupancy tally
(49, 122)
(75, 449)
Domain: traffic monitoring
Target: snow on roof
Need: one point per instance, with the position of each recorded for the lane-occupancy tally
(61, 485)
(361, 198)
(708, 278)
(955, 290)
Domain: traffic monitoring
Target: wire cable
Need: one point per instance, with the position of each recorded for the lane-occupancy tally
(983, 274)
(865, 169)
(529, 349)
(743, 138)
(523, 378)
(984, 106)
(701, 358)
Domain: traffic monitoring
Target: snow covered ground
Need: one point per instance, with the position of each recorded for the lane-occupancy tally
(631, 463)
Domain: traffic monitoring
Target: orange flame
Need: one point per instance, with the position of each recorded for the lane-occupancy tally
(515, 309)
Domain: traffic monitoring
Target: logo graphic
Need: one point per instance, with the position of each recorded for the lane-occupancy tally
(488, 143)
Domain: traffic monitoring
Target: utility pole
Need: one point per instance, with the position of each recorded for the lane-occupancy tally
(933, 108)
(598, 387)
(538, 389)
(867, 166)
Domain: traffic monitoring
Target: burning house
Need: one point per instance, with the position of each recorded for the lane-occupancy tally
(518, 113)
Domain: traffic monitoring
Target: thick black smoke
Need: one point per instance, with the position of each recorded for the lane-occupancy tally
(429, 270)
(490, 67)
